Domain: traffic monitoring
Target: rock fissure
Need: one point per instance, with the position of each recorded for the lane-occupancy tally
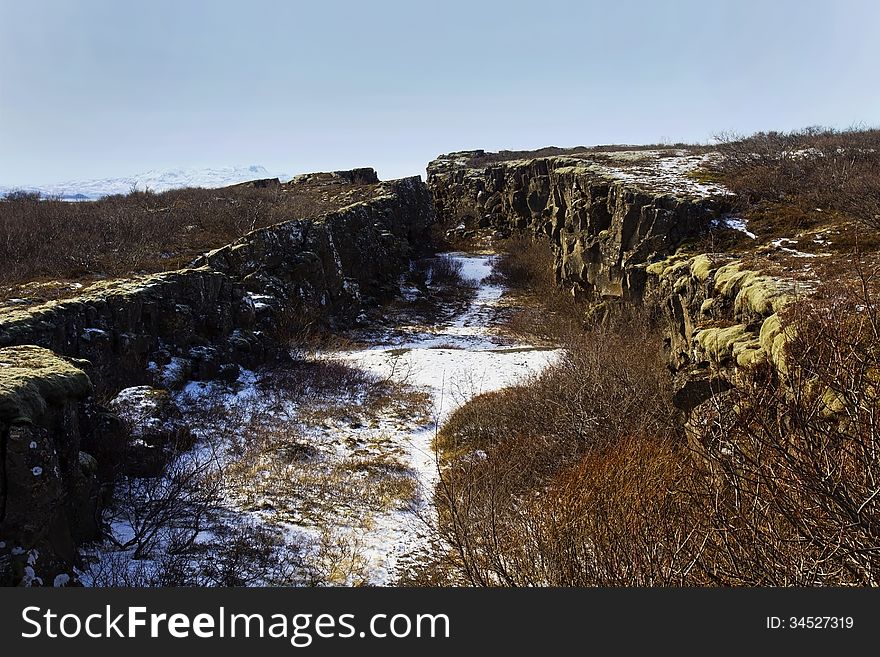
(615, 240)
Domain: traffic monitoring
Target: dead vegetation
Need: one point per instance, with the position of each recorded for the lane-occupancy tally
(790, 476)
(790, 182)
(541, 312)
(299, 446)
(579, 151)
(599, 423)
(44, 240)
(585, 476)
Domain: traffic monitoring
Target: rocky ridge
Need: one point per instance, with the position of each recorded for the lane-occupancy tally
(616, 231)
(234, 306)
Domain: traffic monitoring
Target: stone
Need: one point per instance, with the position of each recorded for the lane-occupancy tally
(693, 388)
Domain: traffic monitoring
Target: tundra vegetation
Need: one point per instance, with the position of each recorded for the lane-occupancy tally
(588, 476)
(46, 243)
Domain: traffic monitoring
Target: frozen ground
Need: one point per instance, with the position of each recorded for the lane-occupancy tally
(669, 172)
(331, 455)
(453, 361)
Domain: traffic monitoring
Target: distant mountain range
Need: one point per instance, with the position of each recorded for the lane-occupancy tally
(158, 180)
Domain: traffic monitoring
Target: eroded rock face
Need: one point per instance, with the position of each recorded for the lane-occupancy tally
(615, 239)
(603, 231)
(719, 314)
(227, 309)
(48, 489)
(162, 329)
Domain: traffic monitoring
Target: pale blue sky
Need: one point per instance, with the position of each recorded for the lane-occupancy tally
(99, 88)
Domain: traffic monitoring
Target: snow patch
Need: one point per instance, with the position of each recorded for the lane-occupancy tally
(736, 223)
(453, 362)
(157, 180)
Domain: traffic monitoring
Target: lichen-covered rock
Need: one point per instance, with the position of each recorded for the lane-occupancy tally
(719, 313)
(615, 239)
(48, 492)
(603, 231)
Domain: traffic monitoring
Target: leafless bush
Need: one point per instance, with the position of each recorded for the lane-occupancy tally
(239, 553)
(806, 169)
(510, 457)
(792, 465)
(445, 270)
(44, 238)
(170, 510)
(548, 312)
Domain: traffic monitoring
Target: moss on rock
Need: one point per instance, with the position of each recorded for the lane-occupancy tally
(33, 378)
(719, 344)
(702, 267)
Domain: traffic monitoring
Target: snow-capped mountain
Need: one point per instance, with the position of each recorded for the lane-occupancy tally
(158, 180)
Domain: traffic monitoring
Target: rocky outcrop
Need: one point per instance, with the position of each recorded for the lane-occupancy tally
(48, 491)
(359, 176)
(237, 305)
(226, 306)
(615, 238)
(719, 313)
(603, 230)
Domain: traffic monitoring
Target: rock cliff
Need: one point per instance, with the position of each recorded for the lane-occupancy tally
(603, 230)
(615, 227)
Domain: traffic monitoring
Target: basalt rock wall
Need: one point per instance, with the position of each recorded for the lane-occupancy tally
(603, 231)
(617, 241)
(237, 305)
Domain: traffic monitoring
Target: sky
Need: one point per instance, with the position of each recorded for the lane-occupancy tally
(103, 88)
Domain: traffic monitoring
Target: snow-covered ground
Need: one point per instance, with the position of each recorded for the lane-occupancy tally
(661, 171)
(454, 362)
(341, 469)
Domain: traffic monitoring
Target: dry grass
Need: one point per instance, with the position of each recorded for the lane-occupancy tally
(602, 417)
(46, 240)
(787, 182)
(543, 313)
(304, 446)
(791, 465)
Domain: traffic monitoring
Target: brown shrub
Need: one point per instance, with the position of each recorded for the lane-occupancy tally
(509, 454)
(582, 477)
(791, 465)
(48, 239)
(545, 311)
(797, 172)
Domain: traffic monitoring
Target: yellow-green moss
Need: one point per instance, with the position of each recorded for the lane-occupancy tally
(707, 306)
(730, 278)
(701, 267)
(762, 295)
(833, 403)
(667, 267)
(751, 355)
(773, 338)
(719, 343)
(32, 378)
